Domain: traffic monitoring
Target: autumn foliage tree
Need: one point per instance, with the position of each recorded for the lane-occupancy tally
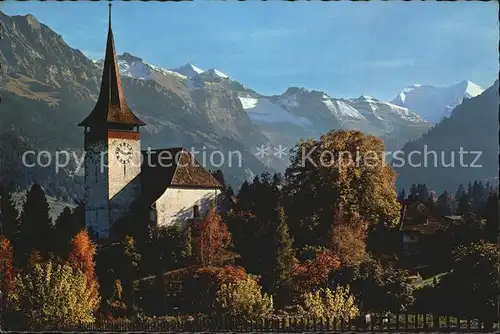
(348, 238)
(50, 295)
(243, 300)
(6, 271)
(35, 258)
(343, 167)
(211, 237)
(81, 258)
(313, 273)
(336, 303)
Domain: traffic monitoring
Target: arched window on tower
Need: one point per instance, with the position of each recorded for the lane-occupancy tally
(196, 211)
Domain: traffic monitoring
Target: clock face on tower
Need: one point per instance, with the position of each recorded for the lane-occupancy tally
(124, 153)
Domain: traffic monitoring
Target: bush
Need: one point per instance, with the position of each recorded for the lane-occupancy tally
(325, 303)
(201, 286)
(51, 294)
(471, 287)
(243, 299)
(313, 273)
(379, 288)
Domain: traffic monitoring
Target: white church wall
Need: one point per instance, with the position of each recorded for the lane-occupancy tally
(175, 206)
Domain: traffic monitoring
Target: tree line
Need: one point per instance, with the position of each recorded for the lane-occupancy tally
(316, 240)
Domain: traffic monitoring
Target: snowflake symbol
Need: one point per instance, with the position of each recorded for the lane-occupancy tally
(262, 151)
(280, 151)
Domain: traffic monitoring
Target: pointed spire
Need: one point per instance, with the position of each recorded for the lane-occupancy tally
(109, 19)
(111, 106)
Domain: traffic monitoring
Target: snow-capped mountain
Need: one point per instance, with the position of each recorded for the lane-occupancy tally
(434, 103)
(371, 108)
(311, 113)
(187, 76)
(301, 112)
(363, 109)
(134, 67)
(472, 127)
(216, 73)
(189, 70)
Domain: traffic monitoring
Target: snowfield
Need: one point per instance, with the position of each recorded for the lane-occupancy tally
(341, 109)
(263, 110)
(433, 103)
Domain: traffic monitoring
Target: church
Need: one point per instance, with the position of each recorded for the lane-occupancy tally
(117, 172)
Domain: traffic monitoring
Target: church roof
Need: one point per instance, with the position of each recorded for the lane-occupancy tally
(173, 167)
(111, 106)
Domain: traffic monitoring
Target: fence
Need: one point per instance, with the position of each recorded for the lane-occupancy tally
(372, 323)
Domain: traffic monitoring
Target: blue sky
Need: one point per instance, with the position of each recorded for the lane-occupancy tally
(344, 48)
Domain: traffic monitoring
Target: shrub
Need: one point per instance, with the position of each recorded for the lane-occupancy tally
(325, 303)
(380, 288)
(243, 299)
(201, 286)
(51, 294)
(314, 273)
(471, 288)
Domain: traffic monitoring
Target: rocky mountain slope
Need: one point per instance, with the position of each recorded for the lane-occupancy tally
(48, 87)
(434, 103)
(471, 128)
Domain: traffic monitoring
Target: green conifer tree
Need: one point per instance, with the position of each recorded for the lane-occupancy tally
(283, 257)
(36, 231)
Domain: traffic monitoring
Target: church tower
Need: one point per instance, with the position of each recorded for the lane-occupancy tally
(112, 150)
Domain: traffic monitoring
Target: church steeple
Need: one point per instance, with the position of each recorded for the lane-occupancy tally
(111, 107)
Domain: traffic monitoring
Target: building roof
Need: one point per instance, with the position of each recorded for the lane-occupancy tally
(173, 167)
(429, 227)
(454, 218)
(111, 107)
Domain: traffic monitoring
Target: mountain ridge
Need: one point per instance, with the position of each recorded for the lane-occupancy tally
(433, 102)
(197, 108)
(471, 128)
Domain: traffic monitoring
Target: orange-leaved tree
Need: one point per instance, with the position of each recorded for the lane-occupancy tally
(6, 270)
(35, 258)
(211, 237)
(313, 273)
(222, 275)
(348, 238)
(81, 258)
